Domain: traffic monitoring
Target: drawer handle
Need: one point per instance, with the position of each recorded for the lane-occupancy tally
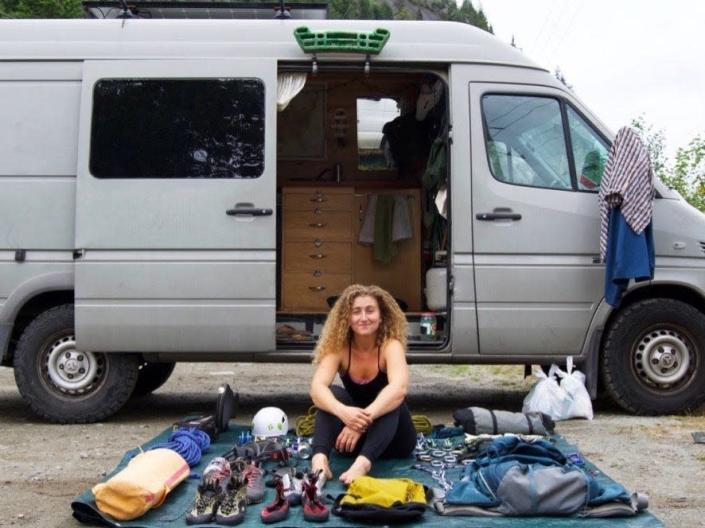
(317, 288)
(317, 210)
(318, 256)
(317, 273)
(319, 199)
(318, 224)
(318, 242)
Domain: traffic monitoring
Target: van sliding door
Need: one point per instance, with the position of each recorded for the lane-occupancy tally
(175, 206)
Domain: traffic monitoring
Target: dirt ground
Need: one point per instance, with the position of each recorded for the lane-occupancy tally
(43, 467)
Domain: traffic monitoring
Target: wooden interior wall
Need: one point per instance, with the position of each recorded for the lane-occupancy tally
(342, 91)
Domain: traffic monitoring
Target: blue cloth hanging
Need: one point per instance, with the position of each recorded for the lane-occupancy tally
(629, 256)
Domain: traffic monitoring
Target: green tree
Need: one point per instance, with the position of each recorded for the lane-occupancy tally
(386, 11)
(366, 12)
(403, 14)
(687, 174)
(41, 9)
(655, 142)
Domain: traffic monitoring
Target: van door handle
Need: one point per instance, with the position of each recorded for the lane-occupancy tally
(249, 211)
(498, 216)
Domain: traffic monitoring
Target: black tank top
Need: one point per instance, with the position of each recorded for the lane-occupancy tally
(364, 393)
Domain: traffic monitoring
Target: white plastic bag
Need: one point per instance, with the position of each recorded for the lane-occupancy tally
(573, 383)
(548, 397)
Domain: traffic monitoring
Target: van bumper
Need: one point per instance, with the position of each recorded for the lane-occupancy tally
(5, 333)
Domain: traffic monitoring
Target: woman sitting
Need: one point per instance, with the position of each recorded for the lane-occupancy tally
(363, 340)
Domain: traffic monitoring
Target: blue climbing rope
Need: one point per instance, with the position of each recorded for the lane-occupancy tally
(190, 443)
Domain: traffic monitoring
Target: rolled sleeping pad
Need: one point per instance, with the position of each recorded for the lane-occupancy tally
(477, 420)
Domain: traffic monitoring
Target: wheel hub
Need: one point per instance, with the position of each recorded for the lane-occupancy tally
(70, 371)
(663, 358)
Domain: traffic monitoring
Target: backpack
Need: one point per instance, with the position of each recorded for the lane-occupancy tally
(516, 477)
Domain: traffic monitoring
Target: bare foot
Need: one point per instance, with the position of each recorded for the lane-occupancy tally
(320, 461)
(360, 467)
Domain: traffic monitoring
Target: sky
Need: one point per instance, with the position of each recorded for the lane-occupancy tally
(624, 58)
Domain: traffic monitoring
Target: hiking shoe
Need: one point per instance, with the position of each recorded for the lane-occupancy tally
(255, 482)
(314, 509)
(278, 509)
(231, 509)
(208, 496)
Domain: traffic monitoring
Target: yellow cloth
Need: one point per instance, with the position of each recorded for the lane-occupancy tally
(142, 485)
(383, 492)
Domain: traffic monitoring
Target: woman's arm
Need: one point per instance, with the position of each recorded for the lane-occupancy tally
(324, 399)
(393, 394)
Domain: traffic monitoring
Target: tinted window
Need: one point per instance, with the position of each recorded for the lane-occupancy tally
(589, 152)
(191, 128)
(525, 141)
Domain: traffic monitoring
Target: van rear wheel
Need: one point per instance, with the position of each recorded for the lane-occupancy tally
(65, 385)
(653, 360)
(151, 377)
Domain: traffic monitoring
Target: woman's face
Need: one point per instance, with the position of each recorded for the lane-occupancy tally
(365, 316)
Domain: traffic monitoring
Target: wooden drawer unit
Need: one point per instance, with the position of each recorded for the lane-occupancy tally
(307, 257)
(323, 200)
(312, 225)
(317, 231)
(308, 292)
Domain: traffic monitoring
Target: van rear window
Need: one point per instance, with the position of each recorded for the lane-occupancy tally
(177, 128)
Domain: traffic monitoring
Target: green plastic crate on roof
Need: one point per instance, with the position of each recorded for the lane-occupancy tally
(367, 42)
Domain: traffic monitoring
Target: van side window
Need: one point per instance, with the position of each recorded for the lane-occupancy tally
(177, 128)
(525, 141)
(589, 152)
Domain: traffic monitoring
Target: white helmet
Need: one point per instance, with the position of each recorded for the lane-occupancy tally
(270, 421)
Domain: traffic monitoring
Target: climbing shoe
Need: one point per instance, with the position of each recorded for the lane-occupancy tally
(208, 496)
(293, 487)
(210, 491)
(278, 509)
(314, 509)
(231, 509)
(255, 482)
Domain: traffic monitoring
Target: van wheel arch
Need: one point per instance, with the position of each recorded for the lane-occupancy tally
(64, 385)
(653, 356)
(31, 309)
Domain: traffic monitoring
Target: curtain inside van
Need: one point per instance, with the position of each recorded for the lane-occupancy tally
(288, 87)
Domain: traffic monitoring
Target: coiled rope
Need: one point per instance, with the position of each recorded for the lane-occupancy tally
(190, 443)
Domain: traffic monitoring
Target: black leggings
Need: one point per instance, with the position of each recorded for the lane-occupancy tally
(389, 436)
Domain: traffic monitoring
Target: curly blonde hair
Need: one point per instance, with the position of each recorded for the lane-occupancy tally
(336, 333)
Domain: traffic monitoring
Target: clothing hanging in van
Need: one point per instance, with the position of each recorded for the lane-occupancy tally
(387, 220)
(626, 208)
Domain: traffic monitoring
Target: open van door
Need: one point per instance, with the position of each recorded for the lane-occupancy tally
(175, 206)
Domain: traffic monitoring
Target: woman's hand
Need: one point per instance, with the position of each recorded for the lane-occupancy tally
(355, 418)
(347, 440)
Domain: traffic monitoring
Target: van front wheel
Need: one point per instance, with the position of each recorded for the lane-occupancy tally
(65, 385)
(653, 360)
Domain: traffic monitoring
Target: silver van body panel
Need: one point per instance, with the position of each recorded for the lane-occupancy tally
(253, 39)
(193, 278)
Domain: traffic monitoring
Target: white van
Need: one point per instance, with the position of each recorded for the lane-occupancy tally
(155, 206)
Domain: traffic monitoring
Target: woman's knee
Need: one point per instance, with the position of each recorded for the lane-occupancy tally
(341, 394)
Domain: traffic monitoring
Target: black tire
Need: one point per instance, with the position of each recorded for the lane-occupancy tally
(46, 358)
(152, 376)
(653, 358)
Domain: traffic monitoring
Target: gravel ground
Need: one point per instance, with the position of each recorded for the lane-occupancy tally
(43, 466)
